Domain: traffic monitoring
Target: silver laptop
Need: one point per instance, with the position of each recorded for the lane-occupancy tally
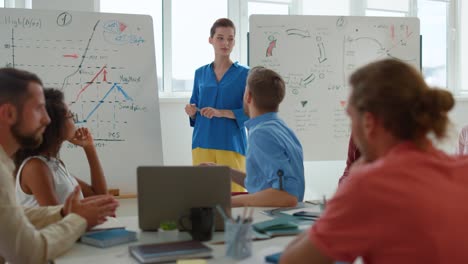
(165, 193)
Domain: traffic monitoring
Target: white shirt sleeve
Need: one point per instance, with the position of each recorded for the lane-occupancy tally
(21, 240)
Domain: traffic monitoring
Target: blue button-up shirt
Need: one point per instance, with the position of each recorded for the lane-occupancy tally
(274, 157)
(228, 93)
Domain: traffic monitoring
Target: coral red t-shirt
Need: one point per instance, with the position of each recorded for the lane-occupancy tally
(410, 206)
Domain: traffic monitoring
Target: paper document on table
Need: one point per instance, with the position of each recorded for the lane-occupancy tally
(279, 210)
(315, 209)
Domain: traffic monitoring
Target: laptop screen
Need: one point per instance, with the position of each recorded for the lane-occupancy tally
(166, 193)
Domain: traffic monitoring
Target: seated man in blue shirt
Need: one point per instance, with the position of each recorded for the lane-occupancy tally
(274, 161)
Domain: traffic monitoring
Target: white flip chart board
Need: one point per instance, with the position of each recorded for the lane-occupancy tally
(316, 55)
(105, 65)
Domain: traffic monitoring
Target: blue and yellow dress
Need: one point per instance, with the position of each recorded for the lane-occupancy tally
(220, 140)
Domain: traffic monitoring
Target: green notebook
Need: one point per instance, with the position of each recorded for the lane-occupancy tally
(277, 224)
(283, 232)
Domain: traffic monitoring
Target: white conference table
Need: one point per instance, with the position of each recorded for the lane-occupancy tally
(81, 253)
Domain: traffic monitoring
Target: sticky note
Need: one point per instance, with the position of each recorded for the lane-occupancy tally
(191, 261)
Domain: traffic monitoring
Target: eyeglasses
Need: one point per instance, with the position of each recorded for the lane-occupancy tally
(72, 115)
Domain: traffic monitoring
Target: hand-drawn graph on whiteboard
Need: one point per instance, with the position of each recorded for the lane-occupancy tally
(105, 65)
(315, 55)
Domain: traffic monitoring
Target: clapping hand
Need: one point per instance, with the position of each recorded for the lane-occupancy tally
(94, 209)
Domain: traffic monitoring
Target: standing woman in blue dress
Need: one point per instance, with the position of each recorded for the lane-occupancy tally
(216, 106)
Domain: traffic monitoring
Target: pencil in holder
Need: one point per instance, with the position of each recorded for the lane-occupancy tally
(323, 204)
(238, 237)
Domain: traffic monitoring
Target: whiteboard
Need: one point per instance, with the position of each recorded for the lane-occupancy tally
(105, 65)
(316, 55)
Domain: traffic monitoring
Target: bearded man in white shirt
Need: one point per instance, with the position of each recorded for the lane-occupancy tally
(35, 235)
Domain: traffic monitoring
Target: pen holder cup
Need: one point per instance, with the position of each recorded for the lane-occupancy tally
(238, 237)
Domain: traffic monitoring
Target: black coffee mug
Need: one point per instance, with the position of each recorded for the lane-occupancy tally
(202, 221)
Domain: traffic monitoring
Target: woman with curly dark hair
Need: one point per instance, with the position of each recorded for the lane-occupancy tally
(41, 177)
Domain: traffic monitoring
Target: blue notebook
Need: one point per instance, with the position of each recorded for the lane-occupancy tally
(108, 238)
(273, 258)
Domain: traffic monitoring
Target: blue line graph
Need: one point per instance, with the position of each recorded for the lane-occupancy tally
(115, 86)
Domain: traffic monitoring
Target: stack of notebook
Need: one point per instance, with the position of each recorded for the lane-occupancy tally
(110, 233)
(108, 238)
(165, 252)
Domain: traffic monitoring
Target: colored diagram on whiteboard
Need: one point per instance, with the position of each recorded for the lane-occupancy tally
(316, 55)
(102, 87)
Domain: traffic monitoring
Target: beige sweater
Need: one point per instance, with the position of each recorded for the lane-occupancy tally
(32, 235)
